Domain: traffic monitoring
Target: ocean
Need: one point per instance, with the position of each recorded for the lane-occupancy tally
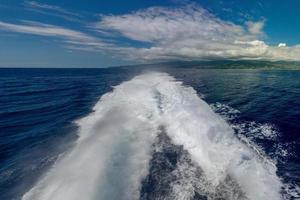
(149, 133)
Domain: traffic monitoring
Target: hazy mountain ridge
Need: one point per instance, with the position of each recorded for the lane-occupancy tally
(228, 64)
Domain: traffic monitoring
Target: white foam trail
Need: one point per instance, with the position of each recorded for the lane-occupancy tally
(212, 144)
(113, 150)
(112, 153)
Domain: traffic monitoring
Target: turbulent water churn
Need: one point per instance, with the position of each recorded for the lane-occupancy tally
(120, 142)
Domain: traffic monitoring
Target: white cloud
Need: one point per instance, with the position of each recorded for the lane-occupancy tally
(35, 4)
(70, 37)
(52, 10)
(163, 33)
(44, 30)
(158, 24)
(191, 33)
(282, 45)
(255, 28)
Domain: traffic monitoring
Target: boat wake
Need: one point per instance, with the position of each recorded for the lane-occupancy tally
(153, 138)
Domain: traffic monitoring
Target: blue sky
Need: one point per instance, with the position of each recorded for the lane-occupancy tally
(96, 33)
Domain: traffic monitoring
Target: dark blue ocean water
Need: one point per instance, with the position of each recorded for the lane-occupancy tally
(38, 108)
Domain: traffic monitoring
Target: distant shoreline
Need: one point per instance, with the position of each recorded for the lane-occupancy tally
(219, 64)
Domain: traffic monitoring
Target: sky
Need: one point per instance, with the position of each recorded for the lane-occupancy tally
(101, 33)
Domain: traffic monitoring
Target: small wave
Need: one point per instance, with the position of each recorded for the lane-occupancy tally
(292, 191)
(252, 130)
(227, 112)
(252, 133)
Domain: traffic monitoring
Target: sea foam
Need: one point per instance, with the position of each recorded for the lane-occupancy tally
(111, 156)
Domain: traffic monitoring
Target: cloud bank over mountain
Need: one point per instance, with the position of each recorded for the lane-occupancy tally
(187, 32)
(192, 33)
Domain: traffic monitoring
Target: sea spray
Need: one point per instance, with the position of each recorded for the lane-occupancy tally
(111, 157)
